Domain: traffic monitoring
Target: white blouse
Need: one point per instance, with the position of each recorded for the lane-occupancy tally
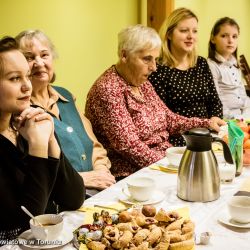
(229, 84)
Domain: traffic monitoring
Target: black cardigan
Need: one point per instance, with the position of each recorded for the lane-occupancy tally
(35, 183)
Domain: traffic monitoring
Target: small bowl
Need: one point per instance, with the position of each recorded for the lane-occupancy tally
(51, 229)
(239, 209)
(174, 155)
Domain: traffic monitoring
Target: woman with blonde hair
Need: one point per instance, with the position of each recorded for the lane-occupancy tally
(183, 79)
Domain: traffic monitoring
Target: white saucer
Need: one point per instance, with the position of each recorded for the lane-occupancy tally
(27, 239)
(226, 219)
(156, 198)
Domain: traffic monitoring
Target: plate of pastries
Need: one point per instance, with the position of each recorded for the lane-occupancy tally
(141, 228)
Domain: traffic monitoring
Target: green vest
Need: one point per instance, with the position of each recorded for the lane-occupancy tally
(74, 141)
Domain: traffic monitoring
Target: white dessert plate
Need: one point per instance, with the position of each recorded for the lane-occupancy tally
(226, 219)
(157, 197)
(27, 239)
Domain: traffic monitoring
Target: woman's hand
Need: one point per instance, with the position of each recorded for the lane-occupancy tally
(215, 123)
(36, 114)
(98, 179)
(37, 127)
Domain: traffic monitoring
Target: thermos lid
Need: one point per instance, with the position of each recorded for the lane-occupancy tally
(198, 131)
(198, 139)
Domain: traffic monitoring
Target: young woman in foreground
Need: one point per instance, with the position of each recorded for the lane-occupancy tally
(33, 171)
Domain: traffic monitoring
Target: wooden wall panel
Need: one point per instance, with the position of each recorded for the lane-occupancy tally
(157, 11)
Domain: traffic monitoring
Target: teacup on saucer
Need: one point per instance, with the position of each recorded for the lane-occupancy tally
(157, 197)
(174, 155)
(140, 188)
(52, 225)
(239, 209)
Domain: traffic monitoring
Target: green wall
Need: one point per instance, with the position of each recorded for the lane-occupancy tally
(208, 11)
(83, 31)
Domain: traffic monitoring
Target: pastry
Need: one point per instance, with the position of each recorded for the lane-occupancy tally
(174, 225)
(183, 245)
(123, 241)
(140, 236)
(128, 226)
(162, 216)
(188, 226)
(111, 233)
(162, 246)
(148, 211)
(96, 245)
(154, 236)
(125, 216)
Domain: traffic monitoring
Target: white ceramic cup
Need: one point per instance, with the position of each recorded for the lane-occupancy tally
(51, 229)
(141, 188)
(174, 155)
(227, 172)
(239, 209)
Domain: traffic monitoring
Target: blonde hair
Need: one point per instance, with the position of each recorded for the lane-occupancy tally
(25, 38)
(136, 38)
(166, 57)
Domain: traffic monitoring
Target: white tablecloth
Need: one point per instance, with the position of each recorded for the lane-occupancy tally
(205, 215)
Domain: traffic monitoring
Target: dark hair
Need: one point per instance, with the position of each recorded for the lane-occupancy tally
(215, 31)
(6, 44)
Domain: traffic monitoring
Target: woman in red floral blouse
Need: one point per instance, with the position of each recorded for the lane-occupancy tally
(127, 115)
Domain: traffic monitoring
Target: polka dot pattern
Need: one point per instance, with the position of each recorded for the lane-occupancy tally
(191, 93)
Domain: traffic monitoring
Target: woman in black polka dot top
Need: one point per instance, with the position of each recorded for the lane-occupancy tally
(183, 80)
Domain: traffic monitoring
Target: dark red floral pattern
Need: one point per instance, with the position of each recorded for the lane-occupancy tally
(133, 129)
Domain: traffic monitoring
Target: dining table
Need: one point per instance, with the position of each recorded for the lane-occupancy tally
(207, 216)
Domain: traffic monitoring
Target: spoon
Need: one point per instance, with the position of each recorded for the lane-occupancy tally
(31, 215)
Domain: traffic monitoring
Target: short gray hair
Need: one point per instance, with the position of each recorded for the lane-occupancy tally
(25, 38)
(136, 38)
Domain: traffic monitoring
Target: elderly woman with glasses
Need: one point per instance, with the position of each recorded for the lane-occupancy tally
(127, 115)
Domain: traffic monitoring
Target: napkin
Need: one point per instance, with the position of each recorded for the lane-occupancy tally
(244, 188)
(167, 169)
(183, 212)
